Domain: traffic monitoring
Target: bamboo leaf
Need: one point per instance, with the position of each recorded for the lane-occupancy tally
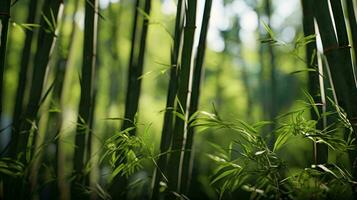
(223, 175)
(259, 152)
(312, 103)
(303, 70)
(324, 168)
(281, 140)
(268, 29)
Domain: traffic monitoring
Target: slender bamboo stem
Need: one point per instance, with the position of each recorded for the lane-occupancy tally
(196, 84)
(180, 131)
(136, 67)
(351, 12)
(25, 60)
(4, 21)
(56, 118)
(170, 104)
(262, 90)
(121, 181)
(340, 22)
(273, 81)
(45, 43)
(86, 100)
(116, 76)
(320, 151)
(24, 69)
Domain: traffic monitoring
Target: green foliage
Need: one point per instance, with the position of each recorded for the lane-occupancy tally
(322, 182)
(25, 26)
(126, 153)
(248, 164)
(255, 161)
(50, 22)
(11, 167)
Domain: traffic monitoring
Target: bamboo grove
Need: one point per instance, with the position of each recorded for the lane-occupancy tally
(117, 99)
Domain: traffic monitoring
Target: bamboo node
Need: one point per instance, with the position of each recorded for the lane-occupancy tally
(336, 47)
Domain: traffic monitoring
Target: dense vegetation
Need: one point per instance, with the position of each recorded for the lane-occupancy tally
(178, 99)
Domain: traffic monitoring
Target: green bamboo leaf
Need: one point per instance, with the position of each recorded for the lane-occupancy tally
(248, 127)
(102, 193)
(281, 140)
(180, 105)
(312, 103)
(259, 152)
(95, 9)
(179, 115)
(324, 168)
(303, 70)
(47, 92)
(145, 14)
(117, 119)
(261, 124)
(303, 41)
(268, 29)
(223, 175)
(268, 40)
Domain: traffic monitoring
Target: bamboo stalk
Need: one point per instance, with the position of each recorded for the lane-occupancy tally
(196, 84)
(136, 66)
(25, 145)
(4, 21)
(116, 75)
(86, 100)
(24, 69)
(340, 22)
(273, 82)
(262, 90)
(346, 101)
(55, 119)
(160, 171)
(351, 13)
(129, 112)
(340, 64)
(180, 131)
(120, 181)
(45, 44)
(320, 151)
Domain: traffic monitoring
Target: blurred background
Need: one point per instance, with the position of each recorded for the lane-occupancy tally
(245, 77)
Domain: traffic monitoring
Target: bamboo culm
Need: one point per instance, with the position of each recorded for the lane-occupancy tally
(180, 131)
(196, 84)
(4, 20)
(136, 66)
(86, 101)
(23, 73)
(170, 104)
(24, 145)
(320, 151)
(55, 119)
(339, 60)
